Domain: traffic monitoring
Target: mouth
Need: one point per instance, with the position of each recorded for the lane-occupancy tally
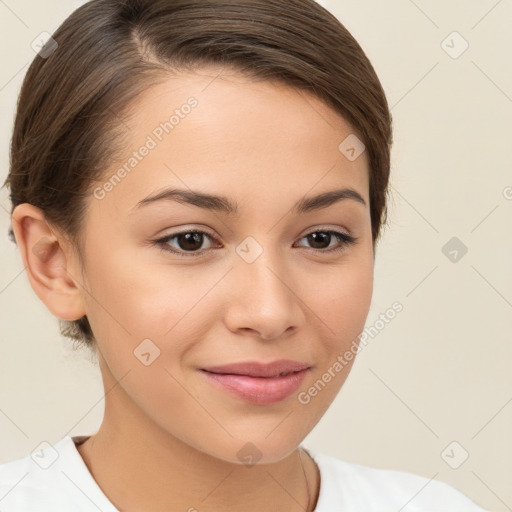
(283, 374)
(257, 383)
(273, 369)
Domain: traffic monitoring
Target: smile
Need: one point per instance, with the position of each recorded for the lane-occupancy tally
(258, 390)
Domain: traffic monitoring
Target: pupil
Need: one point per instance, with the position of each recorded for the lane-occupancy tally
(322, 236)
(190, 240)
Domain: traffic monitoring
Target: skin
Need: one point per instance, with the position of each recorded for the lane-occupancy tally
(169, 438)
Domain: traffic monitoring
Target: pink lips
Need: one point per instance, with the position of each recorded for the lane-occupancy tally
(257, 382)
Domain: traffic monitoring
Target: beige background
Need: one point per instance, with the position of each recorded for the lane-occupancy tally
(440, 371)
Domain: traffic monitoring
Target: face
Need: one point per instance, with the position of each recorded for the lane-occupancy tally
(181, 284)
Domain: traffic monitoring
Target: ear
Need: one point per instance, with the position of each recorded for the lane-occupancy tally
(48, 263)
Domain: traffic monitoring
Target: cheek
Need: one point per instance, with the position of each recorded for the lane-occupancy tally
(152, 315)
(144, 300)
(341, 308)
(341, 299)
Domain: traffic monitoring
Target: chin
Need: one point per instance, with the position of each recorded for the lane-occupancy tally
(250, 453)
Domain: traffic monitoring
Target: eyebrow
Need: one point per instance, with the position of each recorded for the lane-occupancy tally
(224, 205)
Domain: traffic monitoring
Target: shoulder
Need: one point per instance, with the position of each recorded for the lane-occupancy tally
(358, 487)
(25, 482)
(53, 477)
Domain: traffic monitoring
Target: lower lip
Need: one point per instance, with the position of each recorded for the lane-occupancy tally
(258, 390)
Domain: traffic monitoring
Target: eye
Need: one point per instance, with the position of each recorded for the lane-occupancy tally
(322, 237)
(187, 241)
(190, 242)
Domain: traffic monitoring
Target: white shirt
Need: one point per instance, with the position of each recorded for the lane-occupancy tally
(60, 482)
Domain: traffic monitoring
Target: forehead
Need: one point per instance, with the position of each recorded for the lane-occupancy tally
(222, 131)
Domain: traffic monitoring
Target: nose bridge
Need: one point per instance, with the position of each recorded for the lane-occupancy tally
(261, 271)
(265, 301)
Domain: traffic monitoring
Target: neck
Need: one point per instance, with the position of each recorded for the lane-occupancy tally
(139, 466)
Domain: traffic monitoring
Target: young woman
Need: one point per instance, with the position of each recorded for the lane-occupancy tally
(198, 188)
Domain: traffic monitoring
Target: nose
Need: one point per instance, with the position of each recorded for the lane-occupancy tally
(264, 298)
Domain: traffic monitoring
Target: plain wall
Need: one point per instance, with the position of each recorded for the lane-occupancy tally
(438, 372)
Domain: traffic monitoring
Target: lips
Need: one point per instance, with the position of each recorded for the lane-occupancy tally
(274, 369)
(259, 390)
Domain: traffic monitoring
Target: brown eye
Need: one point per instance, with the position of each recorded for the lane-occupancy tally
(187, 243)
(321, 240)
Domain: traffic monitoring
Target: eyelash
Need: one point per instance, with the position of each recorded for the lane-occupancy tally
(344, 239)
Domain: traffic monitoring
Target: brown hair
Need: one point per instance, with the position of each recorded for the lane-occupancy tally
(68, 119)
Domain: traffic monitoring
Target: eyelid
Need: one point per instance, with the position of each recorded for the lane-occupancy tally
(326, 228)
(204, 229)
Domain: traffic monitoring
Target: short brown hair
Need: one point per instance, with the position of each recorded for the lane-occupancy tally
(71, 101)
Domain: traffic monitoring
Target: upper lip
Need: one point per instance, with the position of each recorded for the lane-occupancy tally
(256, 369)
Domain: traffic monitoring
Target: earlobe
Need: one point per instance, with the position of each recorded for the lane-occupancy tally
(47, 264)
